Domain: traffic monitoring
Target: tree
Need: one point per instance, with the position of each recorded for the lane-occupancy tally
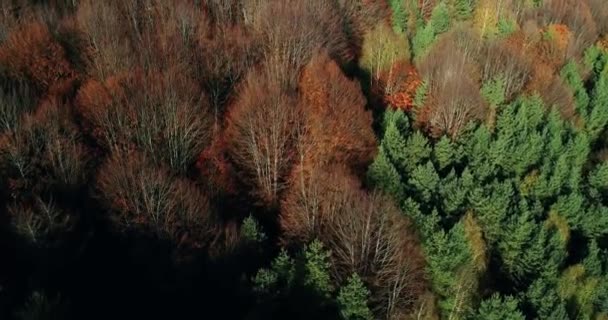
(337, 128)
(352, 300)
(452, 100)
(141, 196)
(31, 54)
(162, 114)
(498, 307)
(262, 132)
(317, 267)
(370, 237)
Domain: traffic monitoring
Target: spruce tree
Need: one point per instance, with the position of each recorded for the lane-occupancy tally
(353, 299)
(498, 307)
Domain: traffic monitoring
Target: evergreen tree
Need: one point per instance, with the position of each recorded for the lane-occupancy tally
(499, 308)
(572, 76)
(316, 268)
(352, 300)
(440, 18)
(399, 16)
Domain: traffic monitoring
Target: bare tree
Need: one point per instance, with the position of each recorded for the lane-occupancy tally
(40, 223)
(44, 151)
(163, 114)
(507, 60)
(108, 37)
(454, 92)
(296, 29)
(315, 194)
(261, 133)
(366, 234)
(142, 196)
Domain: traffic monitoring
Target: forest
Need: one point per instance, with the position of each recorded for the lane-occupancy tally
(304, 159)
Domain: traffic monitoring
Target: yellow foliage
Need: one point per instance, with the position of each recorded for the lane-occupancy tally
(485, 17)
(561, 225)
(569, 281)
(574, 285)
(529, 182)
(477, 243)
(382, 48)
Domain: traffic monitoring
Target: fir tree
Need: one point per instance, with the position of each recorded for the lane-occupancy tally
(352, 300)
(316, 268)
(499, 308)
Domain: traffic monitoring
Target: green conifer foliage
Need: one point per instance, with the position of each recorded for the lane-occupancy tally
(399, 16)
(352, 300)
(498, 307)
(529, 185)
(317, 269)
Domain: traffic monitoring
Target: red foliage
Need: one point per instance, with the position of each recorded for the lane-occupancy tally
(215, 167)
(31, 53)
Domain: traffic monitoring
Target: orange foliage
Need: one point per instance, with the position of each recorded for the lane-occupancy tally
(31, 53)
(337, 126)
(397, 86)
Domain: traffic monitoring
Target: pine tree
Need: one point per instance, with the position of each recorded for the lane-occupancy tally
(352, 300)
(598, 117)
(425, 179)
(399, 16)
(383, 174)
(452, 276)
(251, 230)
(463, 9)
(445, 153)
(316, 268)
(499, 308)
(494, 91)
(440, 18)
(572, 77)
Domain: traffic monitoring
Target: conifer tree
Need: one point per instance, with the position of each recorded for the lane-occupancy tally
(352, 300)
(499, 308)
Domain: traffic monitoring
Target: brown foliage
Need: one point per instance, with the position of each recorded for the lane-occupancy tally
(338, 128)
(506, 59)
(366, 234)
(296, 29)
(145, 197)
(223, 54)
(261, 131)
(162, 114)
(31, 53)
